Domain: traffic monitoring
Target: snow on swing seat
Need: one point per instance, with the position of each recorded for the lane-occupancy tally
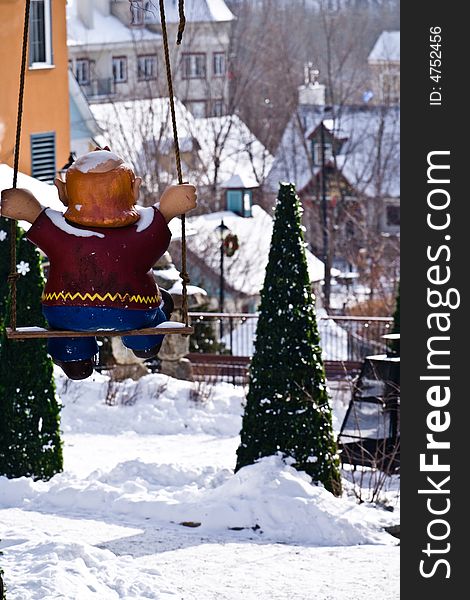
(165, 328)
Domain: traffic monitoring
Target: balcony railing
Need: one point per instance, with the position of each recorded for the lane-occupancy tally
(99, 88)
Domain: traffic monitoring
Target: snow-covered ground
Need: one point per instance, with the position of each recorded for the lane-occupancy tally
(148, 507)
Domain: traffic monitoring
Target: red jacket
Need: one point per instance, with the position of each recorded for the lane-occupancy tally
(101, 266)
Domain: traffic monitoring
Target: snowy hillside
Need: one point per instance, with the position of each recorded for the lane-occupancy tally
(148, 507)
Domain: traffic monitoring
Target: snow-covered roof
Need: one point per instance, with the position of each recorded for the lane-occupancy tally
(139, 120)
(239, 152)
(237, 182)
(369, 158)
(386, 48)
(138, 130)
(245, 270)
(106, 29)
(195, 11)
(45, 193)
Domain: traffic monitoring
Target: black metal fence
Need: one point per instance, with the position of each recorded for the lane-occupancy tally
(342, 338)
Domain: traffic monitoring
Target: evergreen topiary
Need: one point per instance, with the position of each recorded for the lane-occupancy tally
(287, 407)
(30, 442)
(4, 264)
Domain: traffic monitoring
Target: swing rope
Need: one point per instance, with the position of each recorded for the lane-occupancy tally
(184, 274)
(182, 22)
(13, 276)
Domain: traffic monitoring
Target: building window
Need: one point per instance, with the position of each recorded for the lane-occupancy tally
(82, 71)
(43, 156)
(197, 108)
(194, 66)
(393, 215)
(219, 64)
(218, 108)
(317, 152)
(119, 69)
(146, 67)
(40, 36)
(240, 202)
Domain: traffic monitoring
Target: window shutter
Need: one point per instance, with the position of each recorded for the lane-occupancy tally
(235, 201)
(43, 156)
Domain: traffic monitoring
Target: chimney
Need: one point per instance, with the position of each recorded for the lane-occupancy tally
(311, 92)
(85, 12)
(103, 7)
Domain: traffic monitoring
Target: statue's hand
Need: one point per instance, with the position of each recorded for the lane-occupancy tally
(19, 204)
(178, 200)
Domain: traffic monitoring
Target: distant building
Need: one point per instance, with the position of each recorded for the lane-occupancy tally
(45, 137)
(116, 52)
(347, 160)
(384, 65)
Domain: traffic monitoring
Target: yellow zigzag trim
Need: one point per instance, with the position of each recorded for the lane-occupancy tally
(112, 297)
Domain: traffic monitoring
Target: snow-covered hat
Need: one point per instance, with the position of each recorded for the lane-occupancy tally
(99, 191)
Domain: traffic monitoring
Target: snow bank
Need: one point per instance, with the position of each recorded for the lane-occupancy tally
(156, 405)
(269, 498)
(79, 570)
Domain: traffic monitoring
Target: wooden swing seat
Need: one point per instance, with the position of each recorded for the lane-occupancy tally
(27, 333)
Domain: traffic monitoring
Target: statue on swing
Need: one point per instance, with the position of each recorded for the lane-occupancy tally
(101, 252)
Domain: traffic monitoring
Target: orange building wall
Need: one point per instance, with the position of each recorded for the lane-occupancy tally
(46, 99)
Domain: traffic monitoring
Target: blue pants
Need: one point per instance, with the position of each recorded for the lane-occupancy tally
(85, 318)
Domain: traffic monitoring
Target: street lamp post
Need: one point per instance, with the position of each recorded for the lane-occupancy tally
(222, 231)
(326, 249)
